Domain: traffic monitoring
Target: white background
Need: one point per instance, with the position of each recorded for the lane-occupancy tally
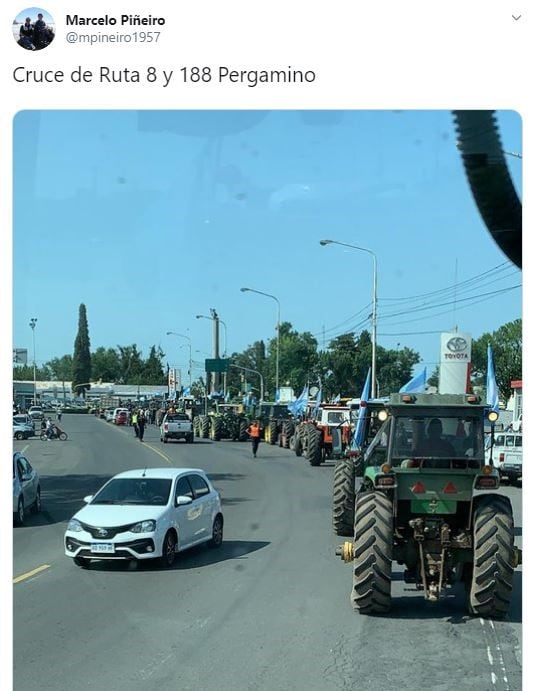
(393, 55)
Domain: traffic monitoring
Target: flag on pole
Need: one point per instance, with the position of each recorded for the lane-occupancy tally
(298, 406)
(492, 390)
(359, 433)
(415, 385)
(318, 401)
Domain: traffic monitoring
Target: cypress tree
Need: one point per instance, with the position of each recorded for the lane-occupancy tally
(82, 355)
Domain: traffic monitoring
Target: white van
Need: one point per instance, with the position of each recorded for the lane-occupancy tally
(508, 454)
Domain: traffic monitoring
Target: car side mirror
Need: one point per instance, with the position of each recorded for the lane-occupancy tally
(183, 501)
(88, 498)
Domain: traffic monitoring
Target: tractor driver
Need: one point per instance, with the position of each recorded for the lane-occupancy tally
(434, 444)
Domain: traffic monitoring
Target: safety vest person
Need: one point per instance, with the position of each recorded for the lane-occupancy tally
(254, 431)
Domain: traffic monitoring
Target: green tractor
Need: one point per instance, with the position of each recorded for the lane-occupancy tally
(226, 421)
(275, 420)
(418, 506)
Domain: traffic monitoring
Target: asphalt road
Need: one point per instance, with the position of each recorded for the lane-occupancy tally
(270, 610)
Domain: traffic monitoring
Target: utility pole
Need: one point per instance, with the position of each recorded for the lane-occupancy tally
(216, 376)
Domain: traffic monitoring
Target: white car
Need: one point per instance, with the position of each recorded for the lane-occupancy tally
(146, 514)
(36, 412)
(26, 488)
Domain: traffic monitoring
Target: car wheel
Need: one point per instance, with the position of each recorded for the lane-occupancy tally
(217, 532)
(81, 562)
(36, 508)
(19, 516)
(19, 435)
(169, 547)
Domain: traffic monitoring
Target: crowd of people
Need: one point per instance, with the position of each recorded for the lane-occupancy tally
(36, 35)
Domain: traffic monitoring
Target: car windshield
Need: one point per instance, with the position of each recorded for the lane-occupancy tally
(438, 437)
(177, 417)
(147, 491)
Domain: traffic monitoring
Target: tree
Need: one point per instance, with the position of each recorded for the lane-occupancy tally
(26, 373)
(130, 364)
(105, 365)
(153, 372)
(61, 368)
(298, 358)
(81, 355)
(506, 344)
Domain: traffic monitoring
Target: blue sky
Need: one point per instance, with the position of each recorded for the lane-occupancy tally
(152, 217)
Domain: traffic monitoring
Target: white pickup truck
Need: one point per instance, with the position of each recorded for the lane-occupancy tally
(508, 454)
(176, 426)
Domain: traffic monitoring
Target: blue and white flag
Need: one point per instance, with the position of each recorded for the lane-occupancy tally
(492, 390)
(318, 401)
(186, 391)
(359, 434)
(298, 406)
(337, 399)
(415, 385)
(277, 395)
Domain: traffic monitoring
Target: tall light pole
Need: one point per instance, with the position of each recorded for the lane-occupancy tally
(204, 316)
(259, 292)
(219, 321)
(174, 333)
(374, 304)
(248, 369)
(33, 322)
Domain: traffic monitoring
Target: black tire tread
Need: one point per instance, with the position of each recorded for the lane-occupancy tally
(493, 572)
(373, 546)
(344, 497)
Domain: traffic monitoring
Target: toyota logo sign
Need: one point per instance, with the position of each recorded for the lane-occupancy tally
(457, 344)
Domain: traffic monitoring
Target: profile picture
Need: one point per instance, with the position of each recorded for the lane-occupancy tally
(33, 28)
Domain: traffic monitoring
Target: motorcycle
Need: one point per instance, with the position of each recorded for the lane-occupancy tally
(56, 433)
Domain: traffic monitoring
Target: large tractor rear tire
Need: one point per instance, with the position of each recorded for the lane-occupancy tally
(197, 426)
(344, 497)
(288, 431)
(243, 436)
(272, 432)
(205, 426)
(373, 546)
(314, 445)
(216, 428)
(298, 449)
(493, 571)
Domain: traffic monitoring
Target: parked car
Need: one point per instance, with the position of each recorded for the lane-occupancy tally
(26, 488)
(22, 431)
(23, 419)
(146, 514)
(508, 455)
(36, 412)
(121, 418)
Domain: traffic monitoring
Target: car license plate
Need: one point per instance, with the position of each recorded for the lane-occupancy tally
(103, 547)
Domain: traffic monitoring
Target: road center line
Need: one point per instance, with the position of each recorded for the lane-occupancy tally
(24, 448)
(148, 446)
(29, 574)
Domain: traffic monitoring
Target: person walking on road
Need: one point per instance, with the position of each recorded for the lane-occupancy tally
(135, 422)
(254, 432)
(58, 414)
(141, 425)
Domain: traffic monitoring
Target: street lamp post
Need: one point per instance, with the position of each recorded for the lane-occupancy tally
(374, 304)
(219, 321)
(174, 333)
(259, 292)
(248, 369)
(33, 322)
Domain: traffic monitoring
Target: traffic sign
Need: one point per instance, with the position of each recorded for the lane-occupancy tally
(217, 365)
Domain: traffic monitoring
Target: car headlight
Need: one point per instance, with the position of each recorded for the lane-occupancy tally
(74, 525)
(143, 527)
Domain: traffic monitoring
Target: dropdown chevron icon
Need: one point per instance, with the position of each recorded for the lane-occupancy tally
(516, 18)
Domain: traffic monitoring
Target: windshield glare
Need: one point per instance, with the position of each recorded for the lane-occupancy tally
(147, 491)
